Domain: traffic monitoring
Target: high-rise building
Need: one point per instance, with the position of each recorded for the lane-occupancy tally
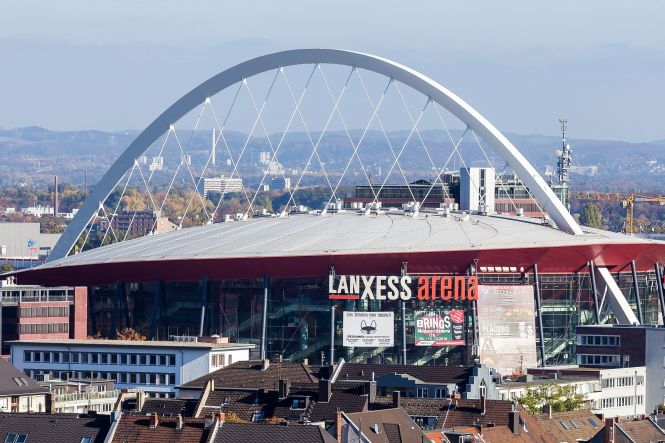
(477, 189)
(221, 184)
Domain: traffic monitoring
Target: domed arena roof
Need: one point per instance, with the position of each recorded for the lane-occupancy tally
(307, 245)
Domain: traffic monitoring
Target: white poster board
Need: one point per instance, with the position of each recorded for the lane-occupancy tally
(369, 329)
(506, 324)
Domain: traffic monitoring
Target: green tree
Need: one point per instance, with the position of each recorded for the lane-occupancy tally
(561, 398)
(591, 216)
(6, 267)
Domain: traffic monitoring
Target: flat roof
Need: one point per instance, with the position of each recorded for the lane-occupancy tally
(135, 343)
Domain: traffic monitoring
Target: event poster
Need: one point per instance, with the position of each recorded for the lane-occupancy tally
(369, 329)
(506, 328)
(439, 327)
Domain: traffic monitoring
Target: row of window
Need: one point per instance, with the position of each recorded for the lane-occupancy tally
(619, 382)
(618, 402)
(598, 360)
(598, 340)
(99, 358)
(44, 328)
(220, 360)
(130, 378)
(44, 311)
(424, 393)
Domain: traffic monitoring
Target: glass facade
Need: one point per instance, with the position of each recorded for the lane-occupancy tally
(299, 315)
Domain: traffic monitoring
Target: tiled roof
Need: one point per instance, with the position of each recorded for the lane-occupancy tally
(642, 431)
(15, 382)
(579, 424)
(136, 429)
(54, 427)
(169, 407)
(243, 403)
(466, 413)
(263, 433)
(458, 375)
(345, 401)
(391, 425)
(249, 374)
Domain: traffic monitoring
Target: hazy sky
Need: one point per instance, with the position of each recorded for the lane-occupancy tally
(118, 64)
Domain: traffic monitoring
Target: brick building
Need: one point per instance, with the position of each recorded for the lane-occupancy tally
(35, 312)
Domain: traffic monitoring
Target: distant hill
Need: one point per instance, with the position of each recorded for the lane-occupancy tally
(35, 154)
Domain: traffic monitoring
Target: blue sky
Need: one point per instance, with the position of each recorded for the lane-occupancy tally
(116, 65)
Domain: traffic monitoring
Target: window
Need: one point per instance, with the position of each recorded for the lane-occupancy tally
(439, 393)
(162, 360)
(593, 422)
(572, 422)
(113, 359)
(298, 403)
(104, 358)
(565, 425)
(56, 357)
(75, 357)
(16, 438)
(133, 359)
(143, 359)
(27, 356)
(94, 358)
(172, 360)
(257, 417)
(421, 392)
(123, 359)
(86, 440)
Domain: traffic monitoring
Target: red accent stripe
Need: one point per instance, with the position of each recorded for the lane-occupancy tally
(343, 297)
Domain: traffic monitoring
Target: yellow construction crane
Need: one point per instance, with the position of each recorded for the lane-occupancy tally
(627, 201)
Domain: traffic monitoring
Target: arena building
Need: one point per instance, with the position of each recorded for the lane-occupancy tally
(416, 285)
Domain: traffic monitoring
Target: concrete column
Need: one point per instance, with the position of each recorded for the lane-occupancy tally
(264, 319)
(539, 314)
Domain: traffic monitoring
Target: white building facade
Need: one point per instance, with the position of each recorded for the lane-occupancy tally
(156, 367)
(615, 392)
(221, 184)
(477, 189)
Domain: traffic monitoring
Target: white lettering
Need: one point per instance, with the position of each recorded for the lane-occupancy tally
(343, 288)
(394, 292)
(380, 287)
(405, 281)
(354, 284)
(367, 287)
(331, 284)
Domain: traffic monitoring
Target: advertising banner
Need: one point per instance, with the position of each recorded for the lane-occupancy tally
(506, 328)
(369, 329)
(439, 327)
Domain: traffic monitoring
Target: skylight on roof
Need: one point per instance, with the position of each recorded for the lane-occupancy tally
(593, 422)
(574, 424)
(565, 425)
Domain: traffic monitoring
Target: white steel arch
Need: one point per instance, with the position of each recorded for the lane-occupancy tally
(421, 83)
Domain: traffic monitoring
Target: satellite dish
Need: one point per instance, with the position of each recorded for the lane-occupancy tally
(558, 152)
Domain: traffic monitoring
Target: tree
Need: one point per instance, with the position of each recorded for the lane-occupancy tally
(129, 334)
(561, 398)
(591, 216)
(6, 267)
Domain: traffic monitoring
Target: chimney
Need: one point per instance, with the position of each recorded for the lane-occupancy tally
(209, 420)
(609, 431)
(370, 390)
(178, 424)
(277, 358)
(221, 418)
(396, 399)
(338, 425)
(140, 400)
(154, 421)
(50, 403)
(547, 409)
(325, 390)
(284, 388)
(305, 361)
(514, 421)
(483, 404)
(55, 196)
(265, 364)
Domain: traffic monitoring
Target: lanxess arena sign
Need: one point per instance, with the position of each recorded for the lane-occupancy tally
(393, 287)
